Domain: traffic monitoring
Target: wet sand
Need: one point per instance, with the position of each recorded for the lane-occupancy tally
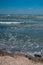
(17, 59)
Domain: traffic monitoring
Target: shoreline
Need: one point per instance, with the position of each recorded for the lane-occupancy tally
(21, 57)
(35, 57)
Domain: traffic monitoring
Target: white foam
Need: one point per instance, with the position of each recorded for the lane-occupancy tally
(8, 15)
(10, 22)
(37, 53)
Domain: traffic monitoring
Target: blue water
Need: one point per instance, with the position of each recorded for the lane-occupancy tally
(25, 37)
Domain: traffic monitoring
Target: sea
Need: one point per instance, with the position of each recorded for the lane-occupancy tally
(21, 33)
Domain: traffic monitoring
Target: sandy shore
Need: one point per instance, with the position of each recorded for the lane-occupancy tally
(17, 59)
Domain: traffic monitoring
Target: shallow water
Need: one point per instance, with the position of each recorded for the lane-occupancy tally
(25, 35)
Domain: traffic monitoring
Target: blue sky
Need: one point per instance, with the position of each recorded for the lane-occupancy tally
(21, 6)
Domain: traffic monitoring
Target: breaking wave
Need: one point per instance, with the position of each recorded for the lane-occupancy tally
(17, 23)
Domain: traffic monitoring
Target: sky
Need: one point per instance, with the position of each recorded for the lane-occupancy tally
(21, 6)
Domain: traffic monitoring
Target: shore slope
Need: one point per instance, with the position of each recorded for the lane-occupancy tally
(17, 59)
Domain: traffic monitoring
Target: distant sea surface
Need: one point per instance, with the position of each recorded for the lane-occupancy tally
(21, 33)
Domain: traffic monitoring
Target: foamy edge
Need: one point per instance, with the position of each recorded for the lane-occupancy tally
(10, 22)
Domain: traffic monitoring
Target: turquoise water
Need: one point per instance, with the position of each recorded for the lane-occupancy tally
(25, 35)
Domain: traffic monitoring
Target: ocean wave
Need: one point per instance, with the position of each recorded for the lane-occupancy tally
(17, 23)
(20, 16)
(10, 22)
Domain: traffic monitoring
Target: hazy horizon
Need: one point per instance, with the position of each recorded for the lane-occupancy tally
(21, 6)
